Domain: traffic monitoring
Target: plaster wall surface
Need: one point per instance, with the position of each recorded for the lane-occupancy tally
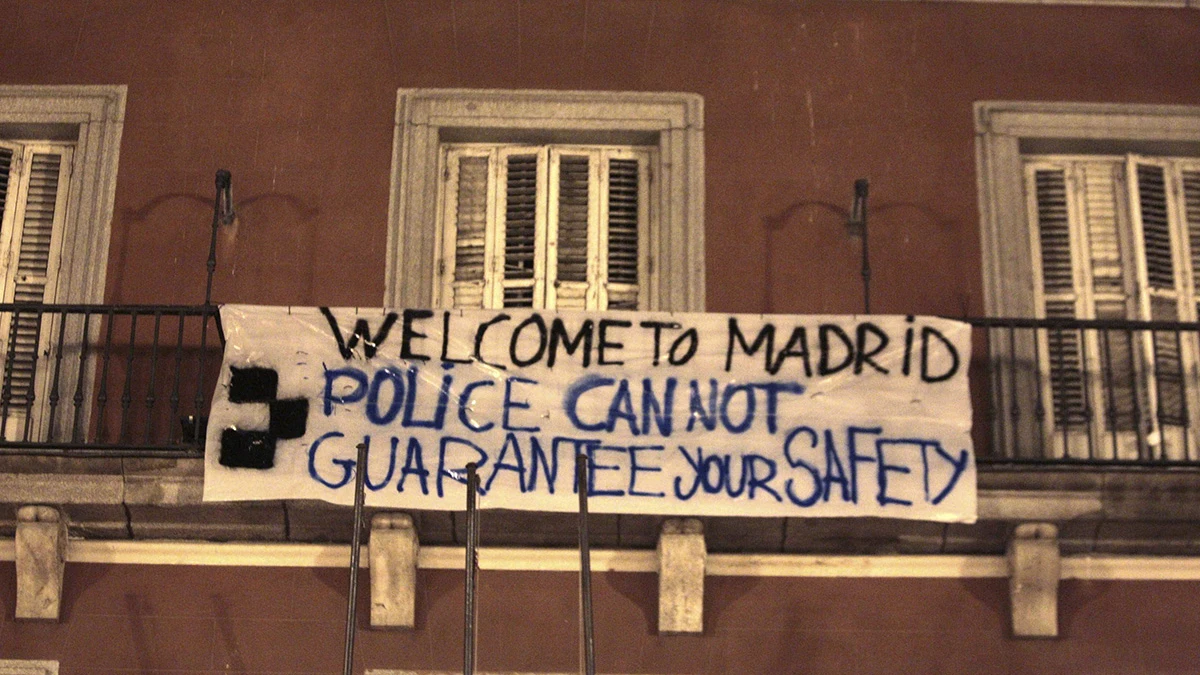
(168, 619)
(297, 99)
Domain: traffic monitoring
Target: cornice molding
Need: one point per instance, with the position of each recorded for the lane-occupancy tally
(236, 554)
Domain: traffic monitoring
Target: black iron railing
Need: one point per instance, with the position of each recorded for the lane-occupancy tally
(136, 380)
(109, 380)
(1071, 392)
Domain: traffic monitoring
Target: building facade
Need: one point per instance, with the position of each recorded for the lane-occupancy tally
(1033, 168)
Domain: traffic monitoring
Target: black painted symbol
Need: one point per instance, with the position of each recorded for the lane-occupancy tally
(287, 418)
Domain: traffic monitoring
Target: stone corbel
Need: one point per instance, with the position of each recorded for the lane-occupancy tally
(681, 558)
(1034, 567)
(41, 544)
(392, 550)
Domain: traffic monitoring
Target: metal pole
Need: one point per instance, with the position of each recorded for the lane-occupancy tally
(472, 569)
(224, 181)
(860, 198)
(587, 646)
(360, 472)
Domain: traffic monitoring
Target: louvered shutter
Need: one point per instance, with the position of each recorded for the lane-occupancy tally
(1108, 285)
(553, 226)
(573, 265)
(519, 269)
(625, 222)
(599, 211)
(1190, 188)
(493, 211)
(468, 212)
(8, 156)
(1053, 205)
(1157, 246)
(32, 241)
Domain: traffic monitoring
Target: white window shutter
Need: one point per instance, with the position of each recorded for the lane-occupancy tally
(32, 242)
(1190, 189)
(599, 209)
(563, 227)
(1117, 238)
(1159, 246)
(12, 157)
(624, 228)
(518, 269)
(1110, 289)
(468, 208)
(573, 240)
(1054, 207)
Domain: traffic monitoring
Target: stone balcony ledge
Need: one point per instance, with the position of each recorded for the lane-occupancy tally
(1097, 511)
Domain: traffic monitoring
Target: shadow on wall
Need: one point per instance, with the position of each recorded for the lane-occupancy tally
(781, 221)
(301, 211)
(776, 223)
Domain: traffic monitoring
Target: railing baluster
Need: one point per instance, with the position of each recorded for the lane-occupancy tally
(6, 390)
(1086, 391)
(150, 397)
(1039, 405)
(178, 371)
(1110, 410)
(102, 395)
(1136, 391)
(127, 390)
(1014, 412)
(31, 393)
(1159, 414)
(53, 398)
(1065, 412)
(995, 394)
(1183, 404)
(77, 398)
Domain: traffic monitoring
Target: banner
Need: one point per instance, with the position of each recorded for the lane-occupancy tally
(682, 414)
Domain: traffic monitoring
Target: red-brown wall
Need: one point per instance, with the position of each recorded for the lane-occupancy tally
(297, 98)
(192, 620)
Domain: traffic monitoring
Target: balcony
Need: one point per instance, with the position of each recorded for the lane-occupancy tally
(1088, 424)
(106, 381)
(1063, 393)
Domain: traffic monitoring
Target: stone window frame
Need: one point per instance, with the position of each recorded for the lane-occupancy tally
(1000, 126)
(674, 122)
(94, 116)
(1009, 279)
(97, 112)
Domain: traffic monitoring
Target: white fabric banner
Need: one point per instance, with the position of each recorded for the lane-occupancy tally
(681, 414)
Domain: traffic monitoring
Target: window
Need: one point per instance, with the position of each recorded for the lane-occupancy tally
(1089, 211)
(553, 226)
(33, 194)
(662, 132)
(1117, 238)
(58, 162)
